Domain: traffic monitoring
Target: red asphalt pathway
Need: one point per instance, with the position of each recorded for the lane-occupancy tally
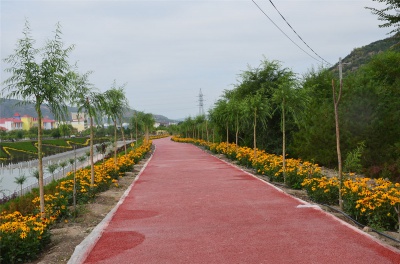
(190, 207)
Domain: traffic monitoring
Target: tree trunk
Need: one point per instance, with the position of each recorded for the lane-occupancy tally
(91, 153)
(339, 154)
(254, 131)
(40, 161)
(207, 130)
(237, 132)
(136, 121)
(227, 134)
(147, 134)
(123, 135)
(283, 142)
(115, 141)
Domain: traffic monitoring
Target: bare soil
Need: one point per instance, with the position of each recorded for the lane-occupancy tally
(67, 235)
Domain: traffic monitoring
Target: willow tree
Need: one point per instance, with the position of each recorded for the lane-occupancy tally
(91, 102)
(258, 108)
(287, 99)
(222, 116)
(148, 122)
(237, 108)
(137, 123)
(115, 104)
(42, 77)
(199, 122)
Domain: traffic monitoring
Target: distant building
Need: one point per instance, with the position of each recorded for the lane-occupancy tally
(48, 123)
(28, 122)
(25, 122)
(78, 121)
(10, 123)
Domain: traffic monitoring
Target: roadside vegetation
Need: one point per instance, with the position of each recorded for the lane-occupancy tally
(271, 109)
(371, 202)
(24, 233)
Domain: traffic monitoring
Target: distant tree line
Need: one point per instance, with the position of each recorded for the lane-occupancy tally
(269, 108)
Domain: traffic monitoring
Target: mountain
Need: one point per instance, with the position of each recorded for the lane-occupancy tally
(8, 107)
(362, 55)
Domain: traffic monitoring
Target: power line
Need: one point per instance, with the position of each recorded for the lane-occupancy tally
(296, 32)
(283, 31)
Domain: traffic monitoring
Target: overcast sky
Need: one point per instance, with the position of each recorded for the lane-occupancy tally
(166, 51)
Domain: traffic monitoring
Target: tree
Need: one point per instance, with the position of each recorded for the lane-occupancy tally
(222, 116)
(41, 77)
(287, 99)
(315, 138)
(137, 124)
(148, 121)
(63, 164)
(52, 168)
(390, 14)
(56, 133)
(82, 159)
(116, 103)
(65, 129)
(91, 102)
(259, 108)
(35, 174)
(199, 123)
(237, 108)
(21, 179)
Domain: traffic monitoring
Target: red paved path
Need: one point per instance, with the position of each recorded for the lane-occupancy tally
(190, 207)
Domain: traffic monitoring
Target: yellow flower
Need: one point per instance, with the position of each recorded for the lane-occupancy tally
(23, 235)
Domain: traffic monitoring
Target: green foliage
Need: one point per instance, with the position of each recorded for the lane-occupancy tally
(352, 162)
(250, 109)
(315, 138)
(390, 14)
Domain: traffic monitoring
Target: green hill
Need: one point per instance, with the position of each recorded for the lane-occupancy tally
(8, 107)
(360, 56)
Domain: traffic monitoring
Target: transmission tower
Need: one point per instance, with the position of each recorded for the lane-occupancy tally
(201, 103)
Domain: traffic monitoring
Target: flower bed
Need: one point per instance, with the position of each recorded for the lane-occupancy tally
(372, 202)
(22, 237)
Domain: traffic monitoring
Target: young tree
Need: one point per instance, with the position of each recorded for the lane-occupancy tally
(116, 103)
(237, 107)
(137, 124)
(63, 164)
(259, 108)
(52, 169)
(337, 95)
(286, 97)
(222, 116)
(91, 102)
(21, 179)
(35, 174)
(42, 77)
(148, 121)
(82, 159)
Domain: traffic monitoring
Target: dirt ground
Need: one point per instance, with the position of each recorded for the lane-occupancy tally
(67, 235)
